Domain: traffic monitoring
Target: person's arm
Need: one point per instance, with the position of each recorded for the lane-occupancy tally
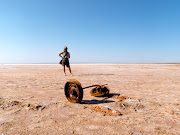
(60, 55)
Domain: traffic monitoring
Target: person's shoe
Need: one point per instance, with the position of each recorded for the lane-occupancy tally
(71, 74)
(64, 74)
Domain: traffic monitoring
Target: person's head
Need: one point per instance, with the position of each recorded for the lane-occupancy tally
(65, 49)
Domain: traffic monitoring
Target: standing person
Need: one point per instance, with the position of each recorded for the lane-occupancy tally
(65, 60)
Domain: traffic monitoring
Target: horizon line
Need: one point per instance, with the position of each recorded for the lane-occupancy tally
(91, 63)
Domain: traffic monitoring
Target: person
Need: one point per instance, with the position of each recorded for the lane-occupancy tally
(65, 60)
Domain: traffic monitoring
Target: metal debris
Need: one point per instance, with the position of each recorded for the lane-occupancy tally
(99, 91)
(73, 91)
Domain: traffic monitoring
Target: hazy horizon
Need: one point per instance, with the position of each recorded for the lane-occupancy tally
(78, 63)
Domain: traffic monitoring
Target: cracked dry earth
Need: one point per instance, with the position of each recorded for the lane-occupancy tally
(144, 100)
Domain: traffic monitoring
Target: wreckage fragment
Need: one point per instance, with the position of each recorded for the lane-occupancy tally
(73, 91)
(99, 91)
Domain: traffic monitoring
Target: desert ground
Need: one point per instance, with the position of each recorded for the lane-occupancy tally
(32, 100)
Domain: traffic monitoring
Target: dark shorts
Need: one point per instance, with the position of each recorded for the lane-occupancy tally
(65, 62)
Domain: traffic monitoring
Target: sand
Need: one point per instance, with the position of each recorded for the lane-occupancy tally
(32, 100)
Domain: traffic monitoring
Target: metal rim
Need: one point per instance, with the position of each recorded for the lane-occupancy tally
(73, 91)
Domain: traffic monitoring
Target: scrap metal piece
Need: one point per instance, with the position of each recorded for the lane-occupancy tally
(73, 91)
(99, 91)
(93, 86)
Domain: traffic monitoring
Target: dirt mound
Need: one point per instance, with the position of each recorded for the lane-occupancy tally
(5, 104)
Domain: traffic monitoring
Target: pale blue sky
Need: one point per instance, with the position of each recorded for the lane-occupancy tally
(98, 31)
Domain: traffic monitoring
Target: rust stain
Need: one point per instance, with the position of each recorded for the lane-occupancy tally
(104, 110)
(123, 98)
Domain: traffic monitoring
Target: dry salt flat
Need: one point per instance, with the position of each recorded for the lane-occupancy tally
(145, 100)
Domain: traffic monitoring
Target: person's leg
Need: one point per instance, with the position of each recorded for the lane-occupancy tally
(68, 65)
(64, 70)
(70, 69)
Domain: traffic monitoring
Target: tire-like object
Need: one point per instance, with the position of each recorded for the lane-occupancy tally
(73, 91)
(99, 91)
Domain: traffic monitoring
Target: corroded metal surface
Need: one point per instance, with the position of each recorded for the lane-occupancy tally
(73, 91)
(99, 91)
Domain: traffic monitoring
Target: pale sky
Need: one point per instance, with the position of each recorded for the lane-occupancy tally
(95, 31)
